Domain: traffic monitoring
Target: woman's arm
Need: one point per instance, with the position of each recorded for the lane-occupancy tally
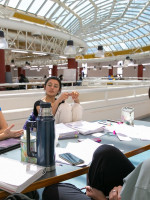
(3, 123)
(61, 98)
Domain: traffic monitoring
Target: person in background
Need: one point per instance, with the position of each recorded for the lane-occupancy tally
(22, 79)
(62, 111)
(79, 82)
(109, 171)
(80, 77)
(45, 77)
(5, 131)
(61, 77)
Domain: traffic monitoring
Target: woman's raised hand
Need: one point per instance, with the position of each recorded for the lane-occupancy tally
(75, 96)
(64, 96)
(8, 133)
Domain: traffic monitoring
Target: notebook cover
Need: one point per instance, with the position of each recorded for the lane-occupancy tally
(9, 144)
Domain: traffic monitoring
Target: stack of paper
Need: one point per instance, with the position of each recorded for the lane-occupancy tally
(85, 127)
(15, 176)
(64, 132)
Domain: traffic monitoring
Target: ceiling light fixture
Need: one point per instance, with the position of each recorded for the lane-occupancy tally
(18, 51)
(3, 43)
(39, 53)
(70, 49)
(100, 52)
(62, 57)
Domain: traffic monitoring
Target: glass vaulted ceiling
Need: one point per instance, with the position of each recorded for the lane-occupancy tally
(115, 24)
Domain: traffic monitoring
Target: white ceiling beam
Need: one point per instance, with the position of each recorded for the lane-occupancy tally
(32, 27)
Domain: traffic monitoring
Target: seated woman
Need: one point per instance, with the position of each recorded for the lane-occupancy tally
(62, 111)
(108, 169)
(5, 131)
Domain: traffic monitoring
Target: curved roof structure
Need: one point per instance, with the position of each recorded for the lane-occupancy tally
(115, 24)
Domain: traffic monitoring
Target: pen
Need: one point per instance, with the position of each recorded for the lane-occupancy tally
(108, 120)
(118, 122)
(83, 188)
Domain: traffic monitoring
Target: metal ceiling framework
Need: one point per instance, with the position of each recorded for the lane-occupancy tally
(117, 25)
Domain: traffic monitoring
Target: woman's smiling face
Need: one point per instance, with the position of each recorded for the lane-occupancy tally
(52, 87)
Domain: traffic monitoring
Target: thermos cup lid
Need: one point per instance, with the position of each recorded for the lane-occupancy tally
(45, 104)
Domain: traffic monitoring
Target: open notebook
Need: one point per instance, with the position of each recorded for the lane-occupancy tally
(15, 176)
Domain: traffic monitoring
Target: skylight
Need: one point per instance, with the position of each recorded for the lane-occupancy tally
(119, 25)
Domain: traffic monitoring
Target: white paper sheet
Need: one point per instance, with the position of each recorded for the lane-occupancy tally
(83, 150)
(124, 132)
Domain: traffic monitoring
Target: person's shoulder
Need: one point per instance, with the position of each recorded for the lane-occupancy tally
(37, 103)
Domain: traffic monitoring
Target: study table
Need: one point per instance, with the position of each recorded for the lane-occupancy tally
(64, 172)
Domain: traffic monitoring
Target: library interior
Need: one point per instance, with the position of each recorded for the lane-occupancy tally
(84, 65)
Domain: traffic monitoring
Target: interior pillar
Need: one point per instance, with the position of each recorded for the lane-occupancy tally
(8, 68)
(110, 72)
(73, 64)
(54, 70)
(140, 72)
(21, 71)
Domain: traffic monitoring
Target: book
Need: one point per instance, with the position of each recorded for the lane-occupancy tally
(85, 127)
(15, 176)
(64, 132)
(9, 144)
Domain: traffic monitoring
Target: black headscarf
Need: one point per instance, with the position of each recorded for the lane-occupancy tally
(108, 168)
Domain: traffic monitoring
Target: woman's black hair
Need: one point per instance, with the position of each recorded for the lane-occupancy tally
(54, 78)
